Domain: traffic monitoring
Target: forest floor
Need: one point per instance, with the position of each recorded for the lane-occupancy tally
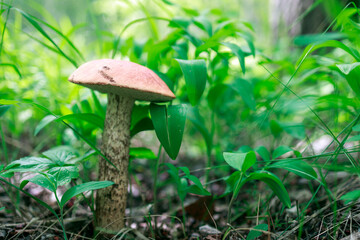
(322, 218)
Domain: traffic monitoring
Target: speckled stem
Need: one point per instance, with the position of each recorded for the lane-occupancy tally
(111, 201)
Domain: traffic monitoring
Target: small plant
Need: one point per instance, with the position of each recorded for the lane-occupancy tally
(56, 168)
(242, 162)
(181, 176)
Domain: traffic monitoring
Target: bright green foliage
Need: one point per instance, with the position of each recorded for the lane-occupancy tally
(169, 123)
(351, 196)
(182, 186)
(195, 77)
(253, 234)
(240, 161)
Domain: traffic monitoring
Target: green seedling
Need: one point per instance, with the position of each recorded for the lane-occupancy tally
(242, 162)
(57, 167)
(181, 176)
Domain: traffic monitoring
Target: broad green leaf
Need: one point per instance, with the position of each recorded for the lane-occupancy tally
(47, 182)
(245, 90)
(240, 161)
(1, 167)
(63, 175)
(4, 109)
(169, 123)
(59, 156)
(298, 167)
(281, 150)
(30, 164)
(263, 152)
(195, 78)
(294, 129)
(351, 196)
(352, 75)
(2, 208)
(76, 190)
(253, 234)
(142, 153)
(235, 49)
(274, 183)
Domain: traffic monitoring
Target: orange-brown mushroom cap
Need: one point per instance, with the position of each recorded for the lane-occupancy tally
(123, 78)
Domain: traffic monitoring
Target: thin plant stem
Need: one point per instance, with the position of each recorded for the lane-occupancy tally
(234, 196)
(4, 144)
(155, 183)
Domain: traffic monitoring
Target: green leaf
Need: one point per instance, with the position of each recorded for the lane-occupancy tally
(13, 67)
(304, 40)
(43, 123)
(298, 167)
(240, 161)
(352, 74)
(63, 175)
(281, 150)
(59, 156)
(30, 164)
(331, 43)
(274, 183)
(351, 196)
(197, 187)
(45, 181)
(235, 49)
(245, 90)
(249, 39)
(356, 128)
(2, 208)
(142, 153)
(169, 123)
(76, 190)
(195, 78)
(254, 234)
(354, 138)
(297, 130)
(263, 152)
(4, 109)
(203, 23)
(194, 189)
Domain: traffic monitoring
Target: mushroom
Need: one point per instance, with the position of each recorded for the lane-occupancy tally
(124, 82)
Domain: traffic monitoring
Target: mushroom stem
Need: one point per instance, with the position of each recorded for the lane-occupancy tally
(111, 201)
